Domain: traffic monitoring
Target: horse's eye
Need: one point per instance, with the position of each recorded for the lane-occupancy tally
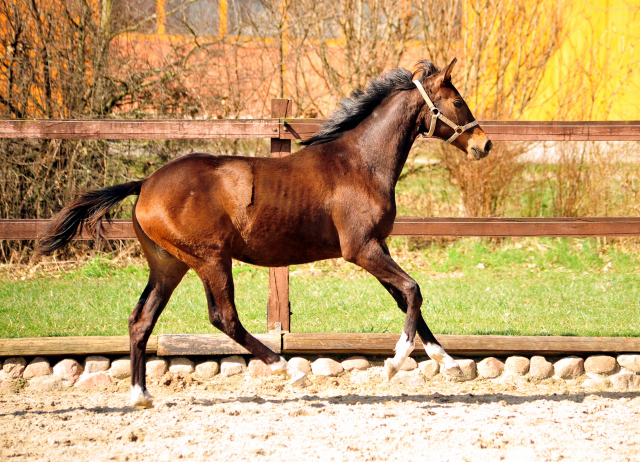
(457, 104)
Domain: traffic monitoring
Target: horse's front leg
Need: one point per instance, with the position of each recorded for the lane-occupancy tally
(374, 257)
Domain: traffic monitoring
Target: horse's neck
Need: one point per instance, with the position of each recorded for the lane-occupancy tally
(386, 136)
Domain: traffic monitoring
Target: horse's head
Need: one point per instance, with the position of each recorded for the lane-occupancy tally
(446, 115)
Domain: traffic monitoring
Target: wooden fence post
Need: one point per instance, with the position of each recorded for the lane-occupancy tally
(278, 308)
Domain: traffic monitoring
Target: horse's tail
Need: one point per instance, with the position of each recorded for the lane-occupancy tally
(86, 210)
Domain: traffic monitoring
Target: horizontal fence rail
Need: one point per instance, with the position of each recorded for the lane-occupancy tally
(469, 345)
(403, 226)
(289, 129)
(318, 343)
(517, 227)
(513, 131)
(140, 129)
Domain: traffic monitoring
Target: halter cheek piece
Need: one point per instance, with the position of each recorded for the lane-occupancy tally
(436, 114)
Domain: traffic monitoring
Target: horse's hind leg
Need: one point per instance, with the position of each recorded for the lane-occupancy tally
(165, 273)
(218, 284)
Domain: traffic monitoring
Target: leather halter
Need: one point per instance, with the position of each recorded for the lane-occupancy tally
(437, 114)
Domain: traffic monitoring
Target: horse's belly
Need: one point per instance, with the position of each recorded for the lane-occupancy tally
(281, 241)
(285, 258)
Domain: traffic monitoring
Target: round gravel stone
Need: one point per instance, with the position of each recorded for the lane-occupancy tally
(68, 369)
(38, 367)
(326, 367)
(490, 368)
(601, 364)
(359, 363)
(429, 368)
(540, 368)
(571, 367)
(302, 364)
(96, 364)
(120, 368)
(181, 365)
(517, 365)
(630, 362)
(14, 366)
(207, 369)
(156, 367)
(232, 365)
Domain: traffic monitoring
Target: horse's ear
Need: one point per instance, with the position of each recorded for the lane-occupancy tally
(447, 71)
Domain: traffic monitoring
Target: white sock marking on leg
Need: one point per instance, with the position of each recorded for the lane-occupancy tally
(139, 397)
(437, 353)
(281, 367)
(297, 377)
(403, 350)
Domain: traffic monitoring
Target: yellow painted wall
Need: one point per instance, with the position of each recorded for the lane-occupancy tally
(596, 73)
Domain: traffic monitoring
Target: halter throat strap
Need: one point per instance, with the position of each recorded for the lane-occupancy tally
(436, 114)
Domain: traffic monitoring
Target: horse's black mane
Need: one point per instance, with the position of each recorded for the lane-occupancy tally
(360, 104)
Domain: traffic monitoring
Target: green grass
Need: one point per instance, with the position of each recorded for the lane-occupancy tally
(527, 287)
(97, 299)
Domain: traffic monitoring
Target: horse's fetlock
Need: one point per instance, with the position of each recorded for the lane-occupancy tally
(140, 397)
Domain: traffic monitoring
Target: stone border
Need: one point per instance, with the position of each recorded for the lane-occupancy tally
(596, 371)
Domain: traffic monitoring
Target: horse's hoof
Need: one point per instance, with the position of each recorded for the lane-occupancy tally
(147, 404)
(301, 381)
(391, 369)
(281, 367)
(144, 401)
(453, 370)
(141, 398)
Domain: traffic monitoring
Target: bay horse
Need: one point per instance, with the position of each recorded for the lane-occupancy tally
(333, 198)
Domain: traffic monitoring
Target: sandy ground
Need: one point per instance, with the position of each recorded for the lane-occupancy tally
(246, 418)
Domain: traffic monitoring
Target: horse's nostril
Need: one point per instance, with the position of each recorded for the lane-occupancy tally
(488, 146)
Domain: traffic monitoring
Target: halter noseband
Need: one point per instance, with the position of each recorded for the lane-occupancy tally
(436, 114)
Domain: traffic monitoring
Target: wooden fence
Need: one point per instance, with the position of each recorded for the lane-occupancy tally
(281, 130)
(317, 344)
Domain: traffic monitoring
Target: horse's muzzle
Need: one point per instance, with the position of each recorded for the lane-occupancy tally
(479, 153)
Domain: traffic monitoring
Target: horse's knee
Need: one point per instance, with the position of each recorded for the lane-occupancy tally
(413, 294)
(418, 295)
